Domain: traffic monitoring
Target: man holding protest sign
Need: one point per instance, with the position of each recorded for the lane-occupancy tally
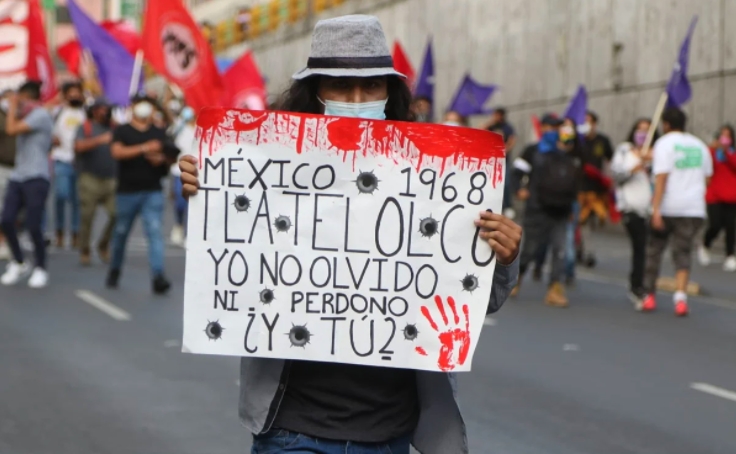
(314, 388)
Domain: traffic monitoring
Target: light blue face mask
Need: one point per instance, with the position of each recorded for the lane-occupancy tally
(187, 113)
(375, 110)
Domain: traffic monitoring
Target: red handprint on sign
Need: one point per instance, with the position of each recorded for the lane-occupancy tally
(455, 339)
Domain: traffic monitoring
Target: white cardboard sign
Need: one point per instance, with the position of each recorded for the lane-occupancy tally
(341, 240)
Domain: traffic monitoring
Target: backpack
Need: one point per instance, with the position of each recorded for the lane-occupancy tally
(558, 177)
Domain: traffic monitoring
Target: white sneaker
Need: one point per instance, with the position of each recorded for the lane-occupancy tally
(177, 235)
(5, 253)
(14, 273)
(39, 278)
(703, 256)
(729, 264)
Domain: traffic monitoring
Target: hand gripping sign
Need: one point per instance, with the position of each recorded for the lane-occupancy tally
(337, 239)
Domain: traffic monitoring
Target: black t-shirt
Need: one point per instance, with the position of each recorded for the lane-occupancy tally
(137, 174)
(596, 152)
(349, 402)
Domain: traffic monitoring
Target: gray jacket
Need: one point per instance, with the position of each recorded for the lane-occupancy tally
(440, 430)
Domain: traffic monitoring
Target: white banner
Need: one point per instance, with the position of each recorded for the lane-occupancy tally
(341, 240)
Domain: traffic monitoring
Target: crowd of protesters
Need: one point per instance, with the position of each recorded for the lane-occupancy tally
(678, 193)
(75, 153)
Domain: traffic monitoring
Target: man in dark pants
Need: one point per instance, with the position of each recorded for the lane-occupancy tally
(551, 191)
(29, 183)
(96, 170)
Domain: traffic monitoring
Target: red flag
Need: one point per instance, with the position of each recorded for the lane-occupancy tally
(124, 33)
(536, 129)
(71, 54)
(175, 47)
(24, 54)
(71, 51)
(244, 85)
(403, 65)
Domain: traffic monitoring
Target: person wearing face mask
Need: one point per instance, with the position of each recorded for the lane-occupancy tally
(184, 138)
(553, 175)
(630, 171)
(96, 182)
(721, 200)
(70, 116)
(453, 118)
(7, 161)
(143, 152)
(302, 406)
(28, 188)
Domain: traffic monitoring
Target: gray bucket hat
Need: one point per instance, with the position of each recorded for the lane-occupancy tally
(349, 46)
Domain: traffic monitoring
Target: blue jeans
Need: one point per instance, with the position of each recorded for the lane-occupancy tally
(278, 441)
(65, 192)
(570, 247)
(150, 205)
(31, 196)
(180, 203)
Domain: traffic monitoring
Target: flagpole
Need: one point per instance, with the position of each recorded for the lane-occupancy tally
(137, 68)
(654, 124)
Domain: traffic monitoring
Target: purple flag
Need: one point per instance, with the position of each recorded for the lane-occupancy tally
(425, 83)
(471, 97)
(678, 87)
(578, 108)
(114, 63)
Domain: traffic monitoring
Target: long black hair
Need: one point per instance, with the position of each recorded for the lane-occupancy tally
(301, 97)
(630, 138)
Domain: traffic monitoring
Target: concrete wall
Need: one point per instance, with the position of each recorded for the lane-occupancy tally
(538, 51)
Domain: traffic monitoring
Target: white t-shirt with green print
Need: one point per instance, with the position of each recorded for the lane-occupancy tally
(687, 161)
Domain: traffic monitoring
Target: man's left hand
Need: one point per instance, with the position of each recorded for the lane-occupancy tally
(502, 234)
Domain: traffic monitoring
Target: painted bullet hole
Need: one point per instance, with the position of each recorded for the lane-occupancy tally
(267, 296)
(299, 336)
(214, 330)
(241, 203)
(470, 283)
(367, 182)
(410, 332)
(428, 227)
(282, 224)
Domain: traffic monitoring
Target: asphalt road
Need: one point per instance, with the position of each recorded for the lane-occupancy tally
(88, 370)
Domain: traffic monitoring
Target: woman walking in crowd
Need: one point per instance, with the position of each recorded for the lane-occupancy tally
(634, 198)
(303, 406)
(721, 200)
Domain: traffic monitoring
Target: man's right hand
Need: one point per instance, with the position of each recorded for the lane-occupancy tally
(189, 176)
(523, 194)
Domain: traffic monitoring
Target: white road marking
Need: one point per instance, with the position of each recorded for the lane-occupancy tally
(103, 305)
(171, 343)
(489, 321)
(714, 391)
(571, 348)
